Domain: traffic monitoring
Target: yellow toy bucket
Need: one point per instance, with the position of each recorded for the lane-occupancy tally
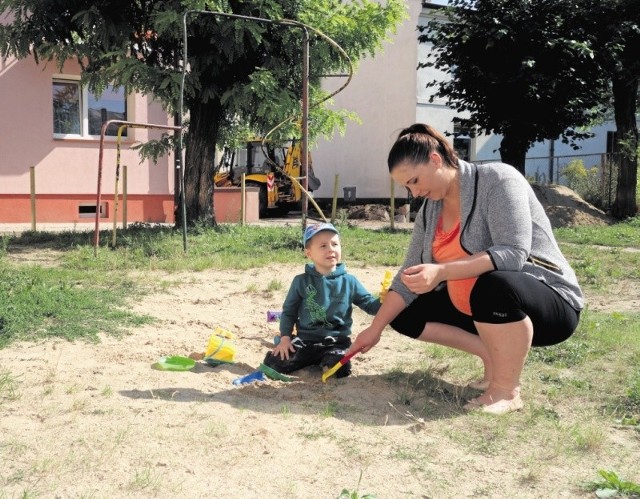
(219, 351)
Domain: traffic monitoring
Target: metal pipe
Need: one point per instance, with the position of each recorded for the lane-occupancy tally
(115, 189)
(32, 176)
(334, 203)
(392, 200)
(305, 126)
(243, 201)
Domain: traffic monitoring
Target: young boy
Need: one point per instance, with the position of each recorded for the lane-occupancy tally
(319, 304)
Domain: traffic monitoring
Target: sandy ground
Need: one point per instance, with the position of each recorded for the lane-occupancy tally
(95, 420)
(81, 420)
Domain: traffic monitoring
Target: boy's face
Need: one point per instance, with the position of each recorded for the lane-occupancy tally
(324, 251)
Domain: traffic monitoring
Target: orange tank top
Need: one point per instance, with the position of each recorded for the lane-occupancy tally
(446, 248)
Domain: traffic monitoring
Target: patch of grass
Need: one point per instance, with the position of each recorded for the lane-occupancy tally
(8, 386)
(274, 285)
(146, 478)
(41, 303)
(622, 234)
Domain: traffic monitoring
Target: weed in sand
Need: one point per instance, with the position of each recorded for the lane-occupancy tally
(146, 479)
(587, 437)
(613, 486)
(216, 430)
(79, 405)
(355, 494)
(8, 386)
(274, 285)
(330, 409)
(107, 392)
(252, 288)
(285, 411)
(316, 432)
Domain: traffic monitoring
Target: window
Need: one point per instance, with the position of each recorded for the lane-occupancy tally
(463, 134)
(79, 112)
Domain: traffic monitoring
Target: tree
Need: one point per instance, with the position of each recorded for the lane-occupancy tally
(239, 72)
(519, 69)
(614, 30)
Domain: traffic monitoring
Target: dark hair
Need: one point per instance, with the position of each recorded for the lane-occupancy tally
(414, 144)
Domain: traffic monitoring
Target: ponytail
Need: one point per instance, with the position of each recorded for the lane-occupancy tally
(415, 143)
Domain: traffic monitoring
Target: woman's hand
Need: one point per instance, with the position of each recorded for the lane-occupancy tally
(366, 340)
(423, 278)
(284, 349)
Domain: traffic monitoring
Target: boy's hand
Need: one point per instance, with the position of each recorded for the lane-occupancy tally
(284, 349)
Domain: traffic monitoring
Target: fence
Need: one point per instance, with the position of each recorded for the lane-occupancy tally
(592, 176)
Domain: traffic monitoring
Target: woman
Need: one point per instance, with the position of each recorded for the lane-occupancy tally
(483, 272)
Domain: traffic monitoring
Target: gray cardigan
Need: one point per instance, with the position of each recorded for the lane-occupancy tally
(499, 214)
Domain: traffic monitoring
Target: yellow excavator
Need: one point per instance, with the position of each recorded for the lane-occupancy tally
(279, 194)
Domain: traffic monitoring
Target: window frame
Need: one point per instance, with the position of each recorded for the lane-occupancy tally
(84, 111)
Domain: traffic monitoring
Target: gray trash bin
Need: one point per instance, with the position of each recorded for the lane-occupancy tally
(349, 194)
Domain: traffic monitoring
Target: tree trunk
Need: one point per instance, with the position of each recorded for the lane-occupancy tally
(204, 119)
(513, 150)
(625, 95)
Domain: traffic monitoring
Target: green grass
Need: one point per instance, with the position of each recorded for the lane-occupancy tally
(40, 303)
(624, 234)
(84, 294)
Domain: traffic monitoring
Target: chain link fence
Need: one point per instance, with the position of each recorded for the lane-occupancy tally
(592, 176)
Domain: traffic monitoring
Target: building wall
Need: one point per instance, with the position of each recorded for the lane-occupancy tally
(389, 93)
(383, 94)
(66, 170)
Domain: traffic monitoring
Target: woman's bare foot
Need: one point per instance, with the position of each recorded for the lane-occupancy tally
(496, 400)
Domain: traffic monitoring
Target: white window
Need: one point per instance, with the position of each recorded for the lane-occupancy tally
(463, 135)
(78, 112)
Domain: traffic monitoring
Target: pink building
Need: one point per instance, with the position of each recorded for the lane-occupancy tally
(49, 148)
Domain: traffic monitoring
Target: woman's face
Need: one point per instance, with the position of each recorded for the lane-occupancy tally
(427, 180)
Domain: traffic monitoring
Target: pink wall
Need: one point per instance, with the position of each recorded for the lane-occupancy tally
(66, 170)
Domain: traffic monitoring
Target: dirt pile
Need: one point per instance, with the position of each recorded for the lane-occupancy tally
(564, 207)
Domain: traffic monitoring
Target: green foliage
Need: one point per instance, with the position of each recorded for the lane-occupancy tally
(586, 182)
(506, 61)
(613, 486)
(349, 494)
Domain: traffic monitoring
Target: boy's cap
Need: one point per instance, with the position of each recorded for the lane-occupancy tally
(312, 230)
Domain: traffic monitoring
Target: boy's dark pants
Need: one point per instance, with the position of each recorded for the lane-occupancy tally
(325, 354)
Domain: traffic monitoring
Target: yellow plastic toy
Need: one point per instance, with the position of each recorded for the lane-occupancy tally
(386, 283)
(220, 349)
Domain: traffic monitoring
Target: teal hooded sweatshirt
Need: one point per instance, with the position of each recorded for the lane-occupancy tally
(320, 306)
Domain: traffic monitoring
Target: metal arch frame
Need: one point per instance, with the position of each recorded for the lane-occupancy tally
(103, 131)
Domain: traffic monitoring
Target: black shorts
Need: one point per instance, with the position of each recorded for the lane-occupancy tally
(498, 297)
(325, 354)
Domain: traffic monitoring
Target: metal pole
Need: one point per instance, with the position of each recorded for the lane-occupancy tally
(32, 174)
(243, 203)
(124, 196)
(334, 203)
(305, 125)
(392, 199)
